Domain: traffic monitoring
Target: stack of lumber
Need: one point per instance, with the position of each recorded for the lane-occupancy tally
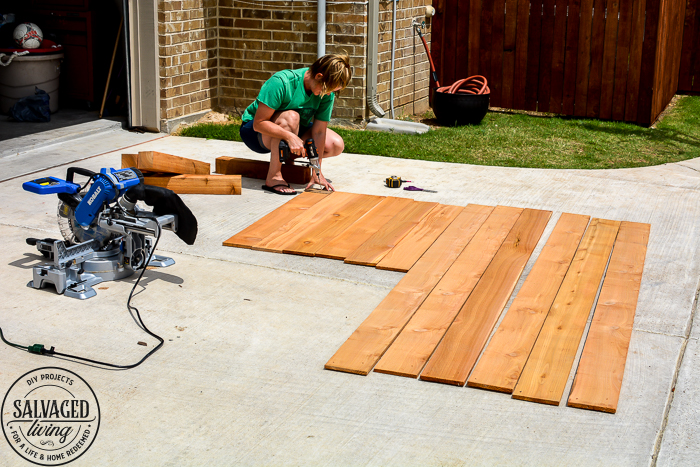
(440, 322)
(249, 168)
(181, 175)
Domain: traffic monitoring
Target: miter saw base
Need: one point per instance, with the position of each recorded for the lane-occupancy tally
(76, 269)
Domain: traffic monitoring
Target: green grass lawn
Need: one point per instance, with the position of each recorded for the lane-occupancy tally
(520, 140)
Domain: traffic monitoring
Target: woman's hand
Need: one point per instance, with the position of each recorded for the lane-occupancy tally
(296, 145)
(321, 181)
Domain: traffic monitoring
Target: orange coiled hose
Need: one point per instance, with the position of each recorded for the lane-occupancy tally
(476, 84)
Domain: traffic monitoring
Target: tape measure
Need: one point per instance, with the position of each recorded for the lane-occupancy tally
(394, 182)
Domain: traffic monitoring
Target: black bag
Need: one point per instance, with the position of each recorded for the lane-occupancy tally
(32, 108)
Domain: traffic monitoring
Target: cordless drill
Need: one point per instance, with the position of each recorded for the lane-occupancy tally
(311, 154)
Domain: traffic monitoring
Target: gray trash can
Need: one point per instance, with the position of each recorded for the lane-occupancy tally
(18, 79)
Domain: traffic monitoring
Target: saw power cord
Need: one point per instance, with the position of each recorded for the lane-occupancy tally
(39, 349)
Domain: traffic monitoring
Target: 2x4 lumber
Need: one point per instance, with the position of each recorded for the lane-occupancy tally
(129, 160)
(256, 232)
(358, 233)
(279, 239)
(404, 255)
(153, 161)
(249, 168)
(315, 235)
(198, 184)
(602, 365)
(378, 245)
(545, 374)
(456, 355)
(370, 340)
(504, 358)
(418, 339)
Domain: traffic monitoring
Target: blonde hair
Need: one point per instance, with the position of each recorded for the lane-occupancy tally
(335, 69)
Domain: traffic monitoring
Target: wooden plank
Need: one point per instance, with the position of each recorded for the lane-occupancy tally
(520, 66)
(436, 40)
(595, 76)
(570, 57)
(257, 231)
(610, 49)
(545, 374)
(370, 340)
(602, 365)
(404, 255)
(649, 55)
(198, 184)
(503, 360)
(358, 233)
(286, 234)
(485, 41)
(689, 50)
(509, 45)
(695, 70)
(249, 168)
(154, 161)
(451, 46)
(456, 355)
(533, 56)
(414, 345)
(545, 73)
(315, 235)
(558, 51)
(635, 60)
(622, 59)
(461, 45)
(498, 31)
(583, 60)
(474, 36)
(129, 160)
(378, 245)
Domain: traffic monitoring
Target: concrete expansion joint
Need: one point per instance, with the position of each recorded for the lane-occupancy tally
(679, 362)
(274, 268)
(74, 137)
(668, 334)
(645, 182)
(6, 224)
(687, 167)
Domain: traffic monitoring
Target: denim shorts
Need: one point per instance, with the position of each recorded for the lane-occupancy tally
(253, 139)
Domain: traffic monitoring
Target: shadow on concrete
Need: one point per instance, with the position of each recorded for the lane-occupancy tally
(63, 118)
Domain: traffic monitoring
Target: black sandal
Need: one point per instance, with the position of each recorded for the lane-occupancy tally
(273, 189)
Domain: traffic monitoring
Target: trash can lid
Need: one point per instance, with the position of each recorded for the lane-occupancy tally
(47, 47)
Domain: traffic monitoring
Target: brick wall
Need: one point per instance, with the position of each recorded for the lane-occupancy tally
(411, 65)
(188, 43)
(218, 53)
(257, 39)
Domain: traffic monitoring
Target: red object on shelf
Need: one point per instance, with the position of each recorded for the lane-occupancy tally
(47, 46)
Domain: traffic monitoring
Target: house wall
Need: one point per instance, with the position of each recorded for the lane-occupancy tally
(258, 39)
(216, 54)
(188, 48)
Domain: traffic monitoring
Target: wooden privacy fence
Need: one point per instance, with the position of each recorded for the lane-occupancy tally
(608, 59)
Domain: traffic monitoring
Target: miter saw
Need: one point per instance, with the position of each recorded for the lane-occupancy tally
(106, 235)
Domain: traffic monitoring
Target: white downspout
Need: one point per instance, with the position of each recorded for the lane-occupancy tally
(321, 28)
(393, 53)
(372, 57)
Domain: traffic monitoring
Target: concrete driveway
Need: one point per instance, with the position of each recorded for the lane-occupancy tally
(240, 379)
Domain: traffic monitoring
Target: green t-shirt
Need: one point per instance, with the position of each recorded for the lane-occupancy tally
(285, 91)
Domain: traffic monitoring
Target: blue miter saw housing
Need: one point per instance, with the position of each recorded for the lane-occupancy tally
(107, 186)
